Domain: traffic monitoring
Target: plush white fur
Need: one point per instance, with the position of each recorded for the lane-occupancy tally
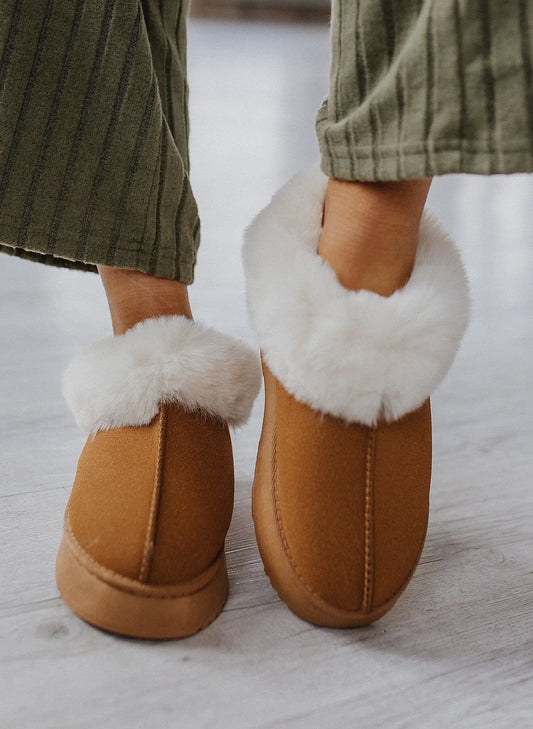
(123, 380)
(353, 354)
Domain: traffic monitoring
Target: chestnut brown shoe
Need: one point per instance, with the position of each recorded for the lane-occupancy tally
(143, 546)
(341, 488)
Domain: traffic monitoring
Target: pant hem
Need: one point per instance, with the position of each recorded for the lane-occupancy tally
(128, 255)
(382, 164)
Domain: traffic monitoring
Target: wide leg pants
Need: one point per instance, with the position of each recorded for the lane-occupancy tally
(94, 163)
(94, 135)
(428, 87)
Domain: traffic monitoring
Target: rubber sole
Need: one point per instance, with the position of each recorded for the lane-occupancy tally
(121, 605)
(302, 601)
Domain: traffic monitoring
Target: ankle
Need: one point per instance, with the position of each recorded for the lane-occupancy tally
(134, 296)
(370, 232)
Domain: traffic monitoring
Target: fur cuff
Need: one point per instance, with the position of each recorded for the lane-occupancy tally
(123, 380)
(353, 354)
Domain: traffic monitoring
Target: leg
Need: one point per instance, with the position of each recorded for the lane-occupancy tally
(417, 89)
(94, 127)
(94, 175)
(371, 228)
(135, 295)
(341, 489)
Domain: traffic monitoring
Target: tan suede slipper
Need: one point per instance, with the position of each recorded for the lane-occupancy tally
(143, 546)
(341, 488)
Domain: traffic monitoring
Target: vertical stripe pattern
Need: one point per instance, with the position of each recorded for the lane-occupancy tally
(459, 67)
(94, 130)
(25, 107)
(9, 42)
(526, 47)
(430, 84)
(103, 160)
(428, 87)
(487, 73)
(50, 126)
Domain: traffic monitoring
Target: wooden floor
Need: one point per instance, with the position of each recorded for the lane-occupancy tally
(457, 651)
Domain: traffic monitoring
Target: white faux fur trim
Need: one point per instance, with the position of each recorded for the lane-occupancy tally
(123, 380)
(353, 354)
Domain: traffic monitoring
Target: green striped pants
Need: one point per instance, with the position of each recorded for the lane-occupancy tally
(94, 163)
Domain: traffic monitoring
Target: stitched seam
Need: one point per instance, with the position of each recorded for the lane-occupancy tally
(148, 551)
(368, 588)
(98, 236)
(448, 145)
(77, 548)
(110, 577)
(288, 554)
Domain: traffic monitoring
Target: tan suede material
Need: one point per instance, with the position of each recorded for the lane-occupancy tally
(112, 493)
(352, 501)
(402, 475)
(196, 499)
(154, 502)
(320, 484)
